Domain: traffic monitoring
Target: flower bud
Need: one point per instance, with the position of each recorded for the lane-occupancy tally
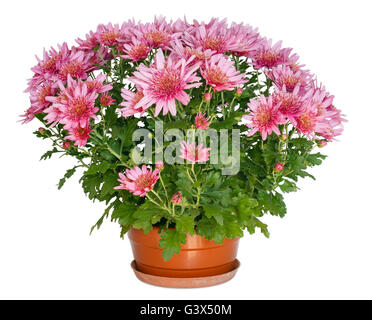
(283, 137)
(279, 167)
(66, 144)
(207, 96)
(322, 143)
(41, 130)
(159, 165)
(177, 198)
(239, 92)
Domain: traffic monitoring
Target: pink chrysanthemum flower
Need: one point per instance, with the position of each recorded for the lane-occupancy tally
(29, 115)
(220, 74)
(179, 25)
(320, 99)
(47, 68)
(158, 34)
(193, 153)
(181, 52)
(309, 121)
(264, 117)
(130, 102)
(214, 36)
(106, 100)
(290, 102)
(331, 129)
(136, 50)
(89, 43)
(285, 76)
(295, 65)
(330, 118)
(98, 84)
(109, 34)
(201, 121)
(79, 134)
(138, 181)
(53, 112)
(177, 198)
(77, 65)
(270, 56)
(53, 115)
(77, 105)
(38, 97)
(165, 82)
(247, 40)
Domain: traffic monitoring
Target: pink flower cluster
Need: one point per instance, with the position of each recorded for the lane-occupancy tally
(310, 111)
(62, 89)
(171, 59)
(75, 106)
(297, 99)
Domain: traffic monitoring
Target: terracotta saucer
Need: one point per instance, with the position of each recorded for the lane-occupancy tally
(192, 282)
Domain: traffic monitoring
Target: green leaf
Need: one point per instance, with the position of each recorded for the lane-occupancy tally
(110, 180)
(123, 213)
(91, 185)
(245, 207)
(185, 223)
(232, 228)
(315, 159)
(170, 242)
(254, 223)
(147, 215)
(210, 229)
(273, 203)
(69, 173)
(48, 154)
(288, 186)
(216, 212)
(100, 167)
(103, 217)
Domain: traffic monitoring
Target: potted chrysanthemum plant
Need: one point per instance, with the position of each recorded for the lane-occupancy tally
(189, 132)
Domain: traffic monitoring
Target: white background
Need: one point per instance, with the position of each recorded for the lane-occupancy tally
(322, 249)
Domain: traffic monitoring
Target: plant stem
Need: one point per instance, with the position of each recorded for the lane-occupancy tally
(165, 190)
(155, 193)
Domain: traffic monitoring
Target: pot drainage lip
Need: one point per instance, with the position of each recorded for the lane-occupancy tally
(191, 282)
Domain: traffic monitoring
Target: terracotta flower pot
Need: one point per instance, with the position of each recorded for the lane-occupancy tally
(200, 262)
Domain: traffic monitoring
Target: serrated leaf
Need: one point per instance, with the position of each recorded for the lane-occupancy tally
(211, 230)
(273, 203)
(110, 180)
(98, 168)
(146, 215)
(185, 223)
(256, 223)
(215, 212)
(48, 154)
(288, 186)
(69, 173)
(315, 159)
(170, 242)
(103, 217)
(123, 213)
